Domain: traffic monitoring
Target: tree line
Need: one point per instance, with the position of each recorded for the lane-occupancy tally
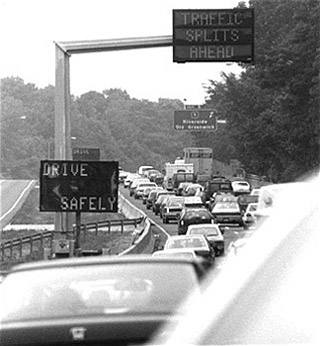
(271, 108)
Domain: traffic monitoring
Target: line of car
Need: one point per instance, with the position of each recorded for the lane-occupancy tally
(186, 207)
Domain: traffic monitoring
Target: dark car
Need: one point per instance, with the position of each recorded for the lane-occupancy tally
(172, 208)
(109, 300)
(217, 184)
(193, 216)
(227, 212)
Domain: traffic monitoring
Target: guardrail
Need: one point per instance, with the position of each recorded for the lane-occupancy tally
(19, 243)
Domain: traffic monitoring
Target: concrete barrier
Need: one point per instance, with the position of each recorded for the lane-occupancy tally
(145, 240)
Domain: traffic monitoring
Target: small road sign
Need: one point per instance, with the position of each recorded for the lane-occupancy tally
(86, 154)
(195, 120)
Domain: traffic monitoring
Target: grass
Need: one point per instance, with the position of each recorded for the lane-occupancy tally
(29, 213)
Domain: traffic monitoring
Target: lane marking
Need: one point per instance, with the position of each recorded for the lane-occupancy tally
(17, 201)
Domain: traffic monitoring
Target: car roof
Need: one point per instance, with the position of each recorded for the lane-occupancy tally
(188, 236)
(202, 225)
(95, 260)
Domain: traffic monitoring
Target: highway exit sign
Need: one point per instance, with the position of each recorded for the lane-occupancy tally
(213, 35)
(195, 120)
(79, 186)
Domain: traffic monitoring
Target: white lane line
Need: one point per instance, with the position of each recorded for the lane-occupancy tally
(17, 201)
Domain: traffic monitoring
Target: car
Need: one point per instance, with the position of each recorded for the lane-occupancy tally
(193, 190)
(269, 292)
(181, 187)
(122, 176)
(216, 184)
(138, 192)
(157, 201)
(142, 170)
(245, 200)
(160, 199)
(107, 300)
(152, 195)
(240, 187)
(128, 180)
(227, 213)
(151, 174)
(193, 202)
(212, 232)
(198, 243)
(147, 191)
(172, 208)
(181, 177)
(249, 217)
(135, 182)
(191, 216)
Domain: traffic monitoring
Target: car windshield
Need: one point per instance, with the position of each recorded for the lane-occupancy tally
(88, 290)
(198, 214)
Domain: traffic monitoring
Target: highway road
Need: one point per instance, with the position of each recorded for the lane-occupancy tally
(12, 195)
(231, 233)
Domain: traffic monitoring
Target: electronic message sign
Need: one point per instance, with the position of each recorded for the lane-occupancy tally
(79, 186)
(86, 154)
(195, 120)
(213, 35)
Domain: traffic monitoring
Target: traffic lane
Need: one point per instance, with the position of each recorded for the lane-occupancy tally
(231, 233)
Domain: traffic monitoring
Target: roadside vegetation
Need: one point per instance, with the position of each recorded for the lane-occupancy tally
(271, 110)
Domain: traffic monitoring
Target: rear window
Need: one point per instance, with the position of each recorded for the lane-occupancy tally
(198, 214)
(94, 290)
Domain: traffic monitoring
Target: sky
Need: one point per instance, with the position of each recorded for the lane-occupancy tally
(29, 29)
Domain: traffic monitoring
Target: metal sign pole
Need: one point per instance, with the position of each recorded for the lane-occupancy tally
(62, 124)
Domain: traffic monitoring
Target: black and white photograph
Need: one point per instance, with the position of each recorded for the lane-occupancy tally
(159, 172)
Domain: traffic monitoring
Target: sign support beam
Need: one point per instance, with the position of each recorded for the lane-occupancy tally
(62, 92)
(62, 135)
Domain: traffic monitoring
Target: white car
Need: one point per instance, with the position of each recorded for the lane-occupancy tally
(212, 232)
(136, 182)
(130, 178)
(141, 188)
(240, 186)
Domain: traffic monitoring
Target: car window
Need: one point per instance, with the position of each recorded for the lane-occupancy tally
(94, 290)
(204, 230)
(226, 205)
